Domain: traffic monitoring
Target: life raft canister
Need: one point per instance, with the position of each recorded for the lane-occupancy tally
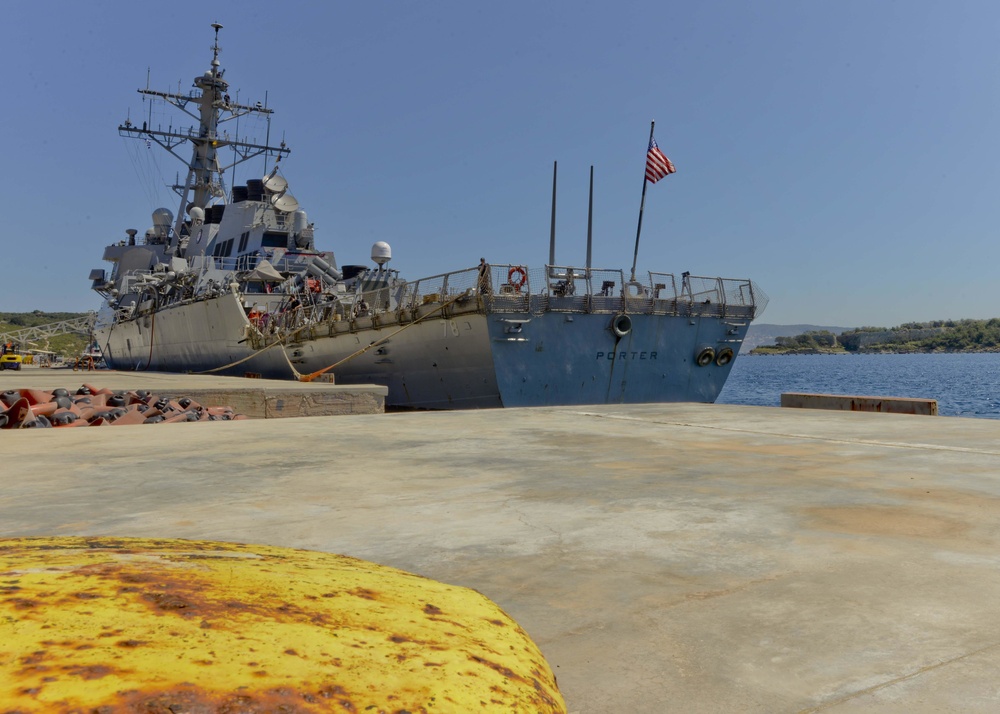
(706, 355)
(517, 276)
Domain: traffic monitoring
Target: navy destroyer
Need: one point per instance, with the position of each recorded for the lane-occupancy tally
(234, 284)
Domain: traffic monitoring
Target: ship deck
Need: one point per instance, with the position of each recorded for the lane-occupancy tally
(674, 557)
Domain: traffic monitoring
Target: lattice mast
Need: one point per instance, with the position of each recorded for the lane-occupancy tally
(211, 106)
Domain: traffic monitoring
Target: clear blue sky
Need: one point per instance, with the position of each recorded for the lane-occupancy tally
(843, 154)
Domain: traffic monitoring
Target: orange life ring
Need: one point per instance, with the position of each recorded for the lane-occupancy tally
(517, 282)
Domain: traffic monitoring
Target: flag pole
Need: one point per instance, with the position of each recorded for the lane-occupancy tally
(590, 221)
(552, 228)
(642, 205)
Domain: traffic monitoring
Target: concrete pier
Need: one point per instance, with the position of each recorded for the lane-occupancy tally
(256, 398)
(852, 403)
(688, 558)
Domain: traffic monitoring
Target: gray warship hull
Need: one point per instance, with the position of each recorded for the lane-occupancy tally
(234, 285)
(471, 362)
(446, 346)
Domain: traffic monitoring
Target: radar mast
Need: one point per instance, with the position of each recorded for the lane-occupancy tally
(210, 105)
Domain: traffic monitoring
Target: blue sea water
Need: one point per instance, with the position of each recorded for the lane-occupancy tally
(965, 385)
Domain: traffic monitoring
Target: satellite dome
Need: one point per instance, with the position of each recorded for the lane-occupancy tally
(381, 252)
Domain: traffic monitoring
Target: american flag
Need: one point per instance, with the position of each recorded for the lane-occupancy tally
(657, 164)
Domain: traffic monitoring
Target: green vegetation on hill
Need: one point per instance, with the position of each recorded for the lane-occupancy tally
(935, 336)
(68, 345)
(811, 342)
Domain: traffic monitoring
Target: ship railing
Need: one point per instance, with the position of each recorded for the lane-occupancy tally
(289, 317)
(236, 263)
(517, 288)
(701, 296)
(570, 288)
(249, 261)
(747, 295)
(392, 302)
(428, 293)
(367, 303)
(298, 309)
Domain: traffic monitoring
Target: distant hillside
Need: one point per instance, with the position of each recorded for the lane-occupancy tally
(765, 334)
(67, 345)
(936, 336)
